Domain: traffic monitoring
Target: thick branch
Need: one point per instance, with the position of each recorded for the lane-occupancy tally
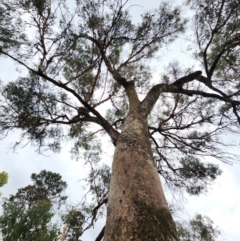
(94, 213)
(122, 81)
(208, 83)
(128, 85)
(226, 47)
(149, 101)
(74, 120)
(187, 78)
(132, 96)
(100, 235)
(205, 94)
(101, 121)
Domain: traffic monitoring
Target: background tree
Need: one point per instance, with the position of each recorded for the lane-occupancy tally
(27, 215)
(3, 179)
(97, 56)
(40, 211)
(27, 221)
(198, 228)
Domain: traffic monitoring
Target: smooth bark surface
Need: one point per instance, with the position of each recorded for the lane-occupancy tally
(137, 208)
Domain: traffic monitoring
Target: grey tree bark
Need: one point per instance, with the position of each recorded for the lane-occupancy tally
(137, 208)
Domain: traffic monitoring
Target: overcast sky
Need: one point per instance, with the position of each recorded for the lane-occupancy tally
(221, 204)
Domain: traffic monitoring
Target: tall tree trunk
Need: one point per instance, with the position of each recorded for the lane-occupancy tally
(137, 208)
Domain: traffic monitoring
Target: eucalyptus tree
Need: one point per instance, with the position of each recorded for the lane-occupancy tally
(28, 214)
(41, 212)
(3, 179)
(90, 73)
(198, 228)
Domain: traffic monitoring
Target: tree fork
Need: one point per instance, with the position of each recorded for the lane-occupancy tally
(137, 208)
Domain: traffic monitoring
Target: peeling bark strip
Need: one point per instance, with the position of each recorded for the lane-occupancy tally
(137, 208)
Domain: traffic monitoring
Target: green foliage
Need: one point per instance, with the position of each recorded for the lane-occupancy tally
(217, 26)
(198, 228)
(27, 215)
(99, 180)
(197, 174)
(37, 5)
(81, 65)
(191, 174)
(3, 178)
(65, 49)
(47, 186)
(87, 142)
(10, 37)
(74, 221)
(31, 104)
(20, 223)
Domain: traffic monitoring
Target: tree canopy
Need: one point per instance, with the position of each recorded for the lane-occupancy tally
(89, 64)
(27, 214)
(41, 210)
(79, 61)
(3, 179)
